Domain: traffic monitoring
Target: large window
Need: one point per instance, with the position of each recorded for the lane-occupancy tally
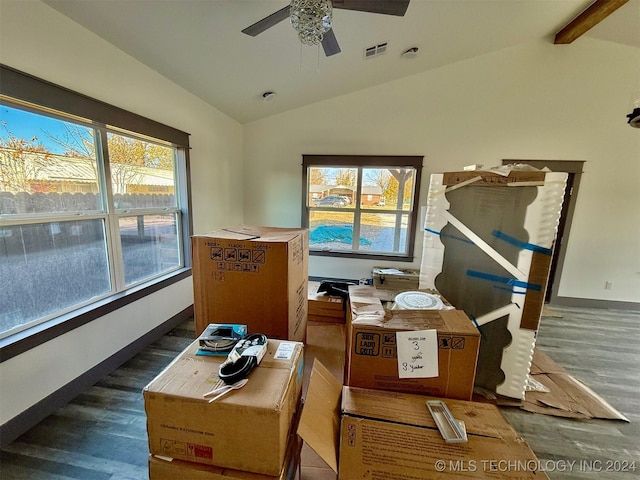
(88, 210)
(362, 206)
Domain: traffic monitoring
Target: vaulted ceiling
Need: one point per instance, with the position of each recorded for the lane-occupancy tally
(199, 45)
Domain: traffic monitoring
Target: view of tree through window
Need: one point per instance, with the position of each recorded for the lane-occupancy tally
(79, 220)
(361, 205)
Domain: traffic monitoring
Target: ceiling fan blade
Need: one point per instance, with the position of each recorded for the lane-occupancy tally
(267, 22)
(385, 7)
(330, 44)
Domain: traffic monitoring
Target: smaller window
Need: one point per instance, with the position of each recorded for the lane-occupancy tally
(363, 206)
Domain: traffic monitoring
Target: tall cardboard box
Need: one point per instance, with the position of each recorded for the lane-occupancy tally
(256, 276)
(374, 357)
(373, 434)
(488, 248)
(247, 429)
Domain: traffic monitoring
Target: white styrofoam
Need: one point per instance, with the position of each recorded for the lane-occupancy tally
(541, 223)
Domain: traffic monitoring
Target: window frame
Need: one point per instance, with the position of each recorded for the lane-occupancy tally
(361, 162)
(17, 87)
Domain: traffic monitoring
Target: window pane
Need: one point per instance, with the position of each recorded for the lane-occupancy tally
(50, 267)
(388, 188)
(46, 165)
(149, 246)
(382, 234)
(142, 173)
(375, 182)
(332, 187)
(330, 230)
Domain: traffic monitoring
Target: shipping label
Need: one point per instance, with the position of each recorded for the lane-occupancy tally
(417, 354)
(177, 448)
(285, 351)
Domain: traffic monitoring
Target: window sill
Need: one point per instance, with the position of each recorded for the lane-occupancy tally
(362, 256)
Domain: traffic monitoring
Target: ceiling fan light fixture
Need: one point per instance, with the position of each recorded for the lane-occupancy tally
(634, 118)
(311, 19)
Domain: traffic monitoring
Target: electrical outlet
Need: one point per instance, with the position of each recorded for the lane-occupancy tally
(608, 285)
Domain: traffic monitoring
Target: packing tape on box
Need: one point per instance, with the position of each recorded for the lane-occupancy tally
(536, 287)
(520, 244)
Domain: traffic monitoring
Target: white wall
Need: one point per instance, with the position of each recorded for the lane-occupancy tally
(40, 41)
(28, 378)
(533, 101)
(37, 40)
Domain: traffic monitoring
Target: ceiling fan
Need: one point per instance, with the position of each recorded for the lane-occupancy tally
(318, 12)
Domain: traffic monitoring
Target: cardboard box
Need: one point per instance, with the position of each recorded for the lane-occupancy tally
(488, 246)
(376, 350)
(255, 276)
(323, 307)
(395, 278)
(245, 430)
(362, 433)
(560, 394)
(167, 468)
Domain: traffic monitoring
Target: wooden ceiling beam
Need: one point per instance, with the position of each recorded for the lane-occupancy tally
(594, 14)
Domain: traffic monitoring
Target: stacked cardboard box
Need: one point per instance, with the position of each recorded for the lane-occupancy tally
(323, 307)
(363, 433)
(247, 430)
(256, 276)
(378, 344)
(395, 278)
(167, 468)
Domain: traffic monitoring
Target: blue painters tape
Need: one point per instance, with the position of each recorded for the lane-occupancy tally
(475, 322)
(506, 280)
(512, 290)
(520, 244)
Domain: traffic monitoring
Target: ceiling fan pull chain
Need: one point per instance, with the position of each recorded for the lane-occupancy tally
(300, 57)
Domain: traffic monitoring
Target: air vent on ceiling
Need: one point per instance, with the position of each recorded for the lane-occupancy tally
(375, 51)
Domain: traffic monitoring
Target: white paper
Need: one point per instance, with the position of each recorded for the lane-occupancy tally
(285, 351)
(390, 271)
(417, 354)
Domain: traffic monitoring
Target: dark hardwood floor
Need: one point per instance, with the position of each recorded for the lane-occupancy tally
(101, 435)
(601, 348)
